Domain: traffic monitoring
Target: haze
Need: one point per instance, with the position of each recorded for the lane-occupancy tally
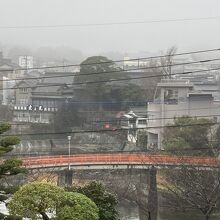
(134, 38)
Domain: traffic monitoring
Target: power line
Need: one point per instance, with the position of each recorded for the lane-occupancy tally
(110, 23)
(141, 152)
(111, 130)
(152, 119)
(115, 80)
(148, 119)
(116, 61)
(131, 103)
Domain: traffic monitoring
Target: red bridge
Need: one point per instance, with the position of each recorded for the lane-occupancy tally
(118, 160)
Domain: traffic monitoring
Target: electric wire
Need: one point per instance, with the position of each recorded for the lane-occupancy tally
(116, 61)
(110, 23)
(114, 80)
(113, 71)
(110, 130)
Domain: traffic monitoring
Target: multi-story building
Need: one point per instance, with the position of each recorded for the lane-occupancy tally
(175, 98)
(37, 101)
(8, 72)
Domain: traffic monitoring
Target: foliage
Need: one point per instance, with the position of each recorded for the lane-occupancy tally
(12, 217)
(76, 206)
(187, 136)
(34, 199)
(129, 92)
(10, 166)
(167, 62)
(4, 127)
(105, 201)
(88, 68)
(6, 142)
(67, 116)
(40, 199)
(190, 187)
(142, 139)
(97, 64)
(105, 89)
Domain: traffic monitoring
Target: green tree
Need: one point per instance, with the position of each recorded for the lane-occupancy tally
(66, 117)
(8, 167)
(106, 70)
(76, 206)
(188, 135)
(36, 199)
(105, 201)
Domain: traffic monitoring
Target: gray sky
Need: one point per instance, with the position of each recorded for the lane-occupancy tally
(153, 37)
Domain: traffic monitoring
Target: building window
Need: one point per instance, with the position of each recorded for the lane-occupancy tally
(171, 96)
(142, 122)
(23, 90)
(23, 102)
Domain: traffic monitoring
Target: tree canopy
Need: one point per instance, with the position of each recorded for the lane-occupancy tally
(101, 70)
(34, 199)
(8, 167)
(105, 68)
(67, 116)
(105, 201)
(76, 206)
(188, 135)
(42, 200)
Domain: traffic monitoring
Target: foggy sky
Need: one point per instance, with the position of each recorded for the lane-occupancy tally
(188, 35)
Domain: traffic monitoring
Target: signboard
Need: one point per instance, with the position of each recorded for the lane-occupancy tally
(35, 108)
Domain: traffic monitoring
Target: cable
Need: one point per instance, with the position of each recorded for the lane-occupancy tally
(152, 119)
(148, 119)
(115, 71)
(114, 80)
(111, 130)
(116, 61)
(110, 23)
(135, 103)
(141, 152)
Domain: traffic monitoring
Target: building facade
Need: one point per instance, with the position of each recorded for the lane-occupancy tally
(176, 98)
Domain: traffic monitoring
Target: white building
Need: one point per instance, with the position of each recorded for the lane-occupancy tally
(26, 61)
(132, 123)
(7, 91)
(176, 98)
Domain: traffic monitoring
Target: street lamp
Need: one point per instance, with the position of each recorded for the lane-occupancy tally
(69, 139)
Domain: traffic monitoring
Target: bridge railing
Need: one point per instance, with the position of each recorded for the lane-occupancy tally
(120, 158)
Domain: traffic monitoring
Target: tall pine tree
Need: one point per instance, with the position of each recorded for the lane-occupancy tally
(8, 167)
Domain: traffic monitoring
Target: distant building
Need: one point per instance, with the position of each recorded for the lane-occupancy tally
(8, 92)
(36, 101)
(8, 70)
(132, 123)
(134, 63)
(175, 98)
(26, 61)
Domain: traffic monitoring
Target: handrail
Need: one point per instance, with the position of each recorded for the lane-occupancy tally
(120, 159)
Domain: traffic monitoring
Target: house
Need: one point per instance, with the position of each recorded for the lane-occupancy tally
(176, 98)
(132, 123)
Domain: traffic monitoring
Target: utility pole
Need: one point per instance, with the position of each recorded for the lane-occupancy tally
(69, 139)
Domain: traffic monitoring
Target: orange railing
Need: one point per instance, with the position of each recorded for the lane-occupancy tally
(120, 158)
